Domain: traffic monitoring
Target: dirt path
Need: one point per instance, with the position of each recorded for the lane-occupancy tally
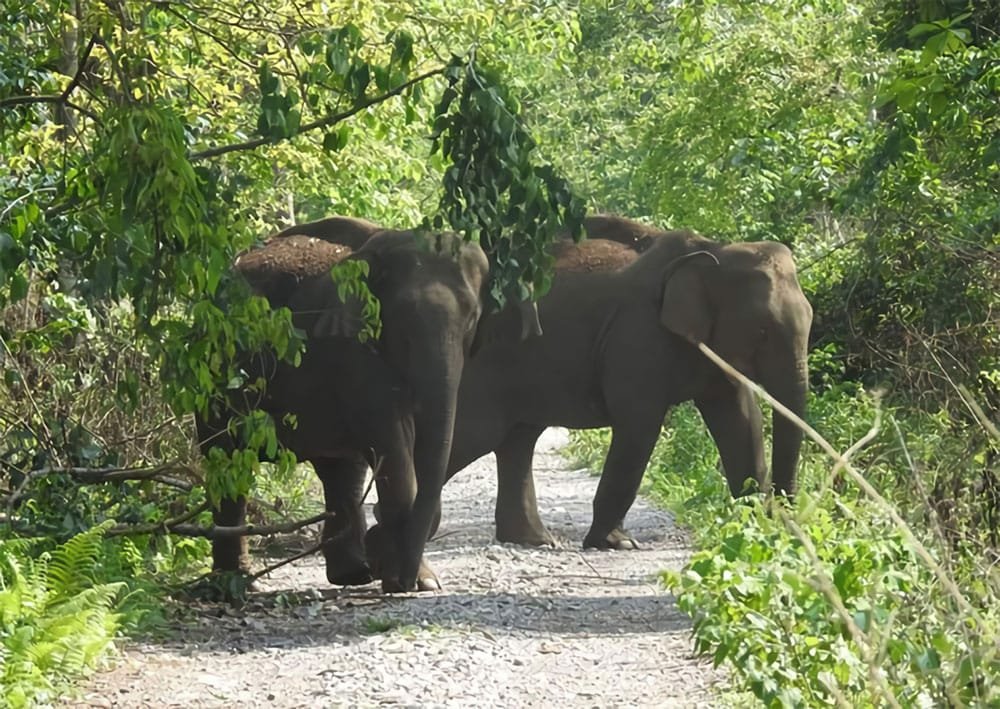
(514, 627)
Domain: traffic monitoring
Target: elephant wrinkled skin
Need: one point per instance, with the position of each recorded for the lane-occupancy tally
(618, 350)
(390, 403)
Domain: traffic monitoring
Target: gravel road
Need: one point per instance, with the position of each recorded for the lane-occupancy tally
(514, 627)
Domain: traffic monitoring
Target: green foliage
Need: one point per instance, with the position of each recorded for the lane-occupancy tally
(493, 191)
(829, 616)
(146, 144)
(56, 619)
(351, 279)
(827, 601)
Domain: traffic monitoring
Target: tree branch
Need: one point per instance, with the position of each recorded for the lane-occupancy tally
(177, 526)
(321, 123)
(63, 97)
(95, 476)
(81, 66)
(153, 527)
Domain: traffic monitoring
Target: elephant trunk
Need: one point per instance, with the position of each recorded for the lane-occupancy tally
(788, 384)
(436, 394)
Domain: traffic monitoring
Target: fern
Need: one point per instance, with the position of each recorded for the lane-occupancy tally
(56, 621)
(71, 566)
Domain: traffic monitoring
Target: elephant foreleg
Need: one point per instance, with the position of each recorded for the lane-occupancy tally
(623, 469)
(396, 483)
(517, 517)
(734, 420)
(343, 536)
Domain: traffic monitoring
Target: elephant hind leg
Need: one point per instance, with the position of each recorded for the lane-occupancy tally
(516, 516)
(343, 536)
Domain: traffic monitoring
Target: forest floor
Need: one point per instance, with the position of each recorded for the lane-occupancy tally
(514, 627)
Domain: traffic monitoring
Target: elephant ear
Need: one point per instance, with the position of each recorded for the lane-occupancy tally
(685, 309)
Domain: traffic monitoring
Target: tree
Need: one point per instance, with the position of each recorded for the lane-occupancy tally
(153, 142)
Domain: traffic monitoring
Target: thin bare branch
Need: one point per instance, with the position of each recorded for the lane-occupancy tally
(154, 527)
(295, 557)
(247, 530)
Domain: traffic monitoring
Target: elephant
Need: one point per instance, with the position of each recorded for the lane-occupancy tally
(389, 404)
(619, 349)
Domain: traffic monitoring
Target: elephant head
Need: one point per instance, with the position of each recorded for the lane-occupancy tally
(747, 306)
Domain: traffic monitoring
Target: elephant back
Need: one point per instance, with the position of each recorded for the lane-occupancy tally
(276, 268)
(592, 255)
(636, 235)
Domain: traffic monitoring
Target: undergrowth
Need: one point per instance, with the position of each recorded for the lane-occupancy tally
(827, 600)
(57, 617)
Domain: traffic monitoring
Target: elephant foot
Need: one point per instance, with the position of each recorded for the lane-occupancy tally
(344, 553)
(615, 539)
(526, 537)
(524, 532)
(427, 580)
(341, 571)
(384, 564)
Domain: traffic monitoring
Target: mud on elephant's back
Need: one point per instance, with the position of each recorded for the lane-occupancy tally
(593, 255)
(297, 257)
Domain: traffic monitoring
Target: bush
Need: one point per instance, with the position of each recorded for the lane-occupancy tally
(827, 600)
(835, 609)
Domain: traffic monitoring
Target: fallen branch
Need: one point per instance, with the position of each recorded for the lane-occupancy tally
(247, 530)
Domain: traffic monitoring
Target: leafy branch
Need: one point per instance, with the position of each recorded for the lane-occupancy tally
(62, 98)
(321, 123)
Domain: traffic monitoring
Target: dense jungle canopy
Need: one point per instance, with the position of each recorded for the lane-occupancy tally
(144, 144)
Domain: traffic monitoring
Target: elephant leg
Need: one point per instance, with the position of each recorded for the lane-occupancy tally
(230, 553)
(380, 548)
(623, 469)
(396, 483)
(733, 418)
(516, 514)
(343, 536)
(435, 523)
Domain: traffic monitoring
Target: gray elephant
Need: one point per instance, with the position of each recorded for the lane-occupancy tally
(389, 404)
(618, 349)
